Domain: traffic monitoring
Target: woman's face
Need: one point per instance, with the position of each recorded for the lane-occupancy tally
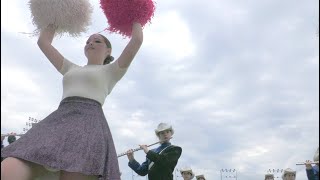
(96, 48)
(186, 175)
(165, 135)
(290, 176)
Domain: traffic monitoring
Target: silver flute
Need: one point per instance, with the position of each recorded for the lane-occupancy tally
(304, 163)
(137, 149)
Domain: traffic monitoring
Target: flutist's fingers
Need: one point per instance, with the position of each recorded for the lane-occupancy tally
(130, 154)
(145, 148)
(308, 164)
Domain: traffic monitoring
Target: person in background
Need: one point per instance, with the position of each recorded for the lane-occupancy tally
(313, 171)
(289, 174)
(269, 177)
(12, 138)
(2, 138)
(200, 177)
(187, 173)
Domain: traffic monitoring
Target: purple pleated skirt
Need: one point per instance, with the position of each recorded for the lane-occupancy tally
(74, 138)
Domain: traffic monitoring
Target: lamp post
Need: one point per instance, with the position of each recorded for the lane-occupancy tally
(29, 124)
(275, 171)
(228, 173)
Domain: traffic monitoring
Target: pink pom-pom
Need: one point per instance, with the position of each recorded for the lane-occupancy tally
(122, 13)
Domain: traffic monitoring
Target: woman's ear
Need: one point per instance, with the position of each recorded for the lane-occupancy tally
(109, 50)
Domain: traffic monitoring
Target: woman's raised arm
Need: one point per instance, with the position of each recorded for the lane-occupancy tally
(45, 44)
(133, 46)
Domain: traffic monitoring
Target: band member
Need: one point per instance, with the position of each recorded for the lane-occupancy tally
(313, 171)
(269, 177)
(187, 173)
(289, 174)
(160, 162)
(200, 177)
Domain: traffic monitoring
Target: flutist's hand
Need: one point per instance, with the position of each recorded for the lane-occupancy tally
(308, 164)
(145, 148)
(130, 155)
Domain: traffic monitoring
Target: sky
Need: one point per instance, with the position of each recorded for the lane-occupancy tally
(237, 79)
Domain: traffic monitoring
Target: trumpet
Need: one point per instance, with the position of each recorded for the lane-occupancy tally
(6, 135)
(137, 149)
(304, 163)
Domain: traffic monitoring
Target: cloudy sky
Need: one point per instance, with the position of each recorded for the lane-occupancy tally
(237, 79)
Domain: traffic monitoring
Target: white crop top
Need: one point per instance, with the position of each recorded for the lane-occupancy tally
(90, 81)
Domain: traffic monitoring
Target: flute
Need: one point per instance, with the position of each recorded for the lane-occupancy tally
(304, 163)
(6, 135)
(137, 149)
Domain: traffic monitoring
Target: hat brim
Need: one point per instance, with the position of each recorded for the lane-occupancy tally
(158, 131)
(192, 174)
(201, 176)
(289, 172)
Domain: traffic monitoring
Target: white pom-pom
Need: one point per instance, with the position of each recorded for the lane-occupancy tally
(69, 16)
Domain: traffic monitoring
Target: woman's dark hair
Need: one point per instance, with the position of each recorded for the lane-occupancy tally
(109, 58)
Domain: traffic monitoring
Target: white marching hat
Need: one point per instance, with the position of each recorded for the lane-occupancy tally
(268, 175)
(187, 169)
(163, 127)
(288, 171)
(200, 176)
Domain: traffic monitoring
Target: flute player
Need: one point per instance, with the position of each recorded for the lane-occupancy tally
(160, 162)
(313, 171)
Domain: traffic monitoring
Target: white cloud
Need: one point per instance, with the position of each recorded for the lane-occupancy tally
(169, 35)
(13, 19)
